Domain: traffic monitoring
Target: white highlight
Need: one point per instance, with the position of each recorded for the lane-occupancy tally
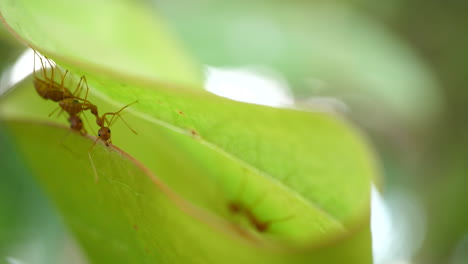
(381, 226)
(398, 226)
(11, 260)
(23, 67)
(251, 85)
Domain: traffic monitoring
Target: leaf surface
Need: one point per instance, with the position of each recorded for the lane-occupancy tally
(306, 174)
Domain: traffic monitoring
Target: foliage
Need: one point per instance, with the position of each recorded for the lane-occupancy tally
(167, 200)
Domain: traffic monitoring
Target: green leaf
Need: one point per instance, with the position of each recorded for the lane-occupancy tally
(123, 37)
(30, 231)
(197, 154)
(207, 177)
(130, 216)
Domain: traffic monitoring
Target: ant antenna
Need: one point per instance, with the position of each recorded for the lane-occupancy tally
(121, 109)
(125, 122)
(118, 114)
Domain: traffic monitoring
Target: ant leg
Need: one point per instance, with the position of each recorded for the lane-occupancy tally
(96, 177)
(44, 72)
(89, 124)
(59, 113)
(36, 54)
(85, 81)
(62, 83)
(51, 71)
(77, 91)
(47, 82)
(121, 118)
(55, 110)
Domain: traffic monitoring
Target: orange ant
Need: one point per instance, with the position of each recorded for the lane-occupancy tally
(104, 132)
(75, 105)
(237, 207)
(48, 88)
(77, 124)
(240, 208)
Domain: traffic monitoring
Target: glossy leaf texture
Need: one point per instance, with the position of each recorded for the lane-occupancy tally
(307, 174)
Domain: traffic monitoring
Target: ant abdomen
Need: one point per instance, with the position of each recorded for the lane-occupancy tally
(76, 124)
(51, 92)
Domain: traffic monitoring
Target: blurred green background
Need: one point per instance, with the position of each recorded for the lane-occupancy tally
(397, 68)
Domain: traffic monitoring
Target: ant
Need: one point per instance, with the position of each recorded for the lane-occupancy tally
(104, 132)
(237, 207)
(57, 92)
(48, 88)
(74, 105)
(240, 208)
(77, 124)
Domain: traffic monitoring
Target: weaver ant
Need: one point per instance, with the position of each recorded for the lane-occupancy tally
(74, 105)
(49, 88)
(104, 132)
(57, 92)
(77, 124)
(237, 207)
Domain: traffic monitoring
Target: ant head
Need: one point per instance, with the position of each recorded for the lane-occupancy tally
(104, 133)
